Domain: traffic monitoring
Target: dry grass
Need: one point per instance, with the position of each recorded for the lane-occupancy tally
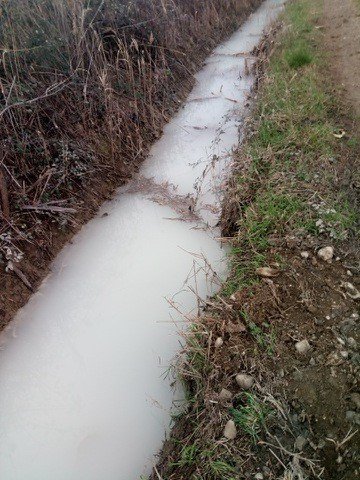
(85, 87)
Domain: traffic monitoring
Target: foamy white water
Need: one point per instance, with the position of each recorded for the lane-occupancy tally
(82, 388)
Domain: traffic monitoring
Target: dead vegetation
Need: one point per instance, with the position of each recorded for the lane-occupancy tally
(85, 87)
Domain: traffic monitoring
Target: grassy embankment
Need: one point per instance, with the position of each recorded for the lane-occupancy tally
(291, 184)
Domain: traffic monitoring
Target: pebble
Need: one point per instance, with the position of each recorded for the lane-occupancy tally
(225, 395)
(312, 361)
(244, 381)
(302, 347)
(353, 417)
(230, 430)
(321, 444)
(326, 253)
(347, 325)
(352, 342)
(305, 255)
(355, 398)
(259, 476)
(219, 342)
(344, 354)
(300, 443)
(352, 291)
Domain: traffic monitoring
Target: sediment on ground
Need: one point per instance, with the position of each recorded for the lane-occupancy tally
(85, 90)
(271, 369)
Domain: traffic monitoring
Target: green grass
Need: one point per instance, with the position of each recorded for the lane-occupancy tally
(294, 133)
(212, 465)
(298, 57)
(250, 415)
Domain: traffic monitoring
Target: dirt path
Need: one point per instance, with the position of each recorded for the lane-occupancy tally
(342, 33)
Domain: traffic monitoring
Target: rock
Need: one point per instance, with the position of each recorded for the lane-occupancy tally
(303, 347)
(312, 361)
(244, 381)
(344, 354)
(326, 253)
(259, 476)
(267, 272)
(352, 291)
(225, 395)
(219, 342)
(300, 443)
(305, 255)
(230, 430)
(355, 398)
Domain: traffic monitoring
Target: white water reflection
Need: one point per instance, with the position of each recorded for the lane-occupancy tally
(82, 388)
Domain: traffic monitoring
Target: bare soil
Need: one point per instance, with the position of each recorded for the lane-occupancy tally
(342, 30)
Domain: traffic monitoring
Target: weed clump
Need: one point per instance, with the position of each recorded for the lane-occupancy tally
(298, 57)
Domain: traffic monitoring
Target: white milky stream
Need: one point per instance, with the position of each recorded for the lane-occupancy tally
(83, 393)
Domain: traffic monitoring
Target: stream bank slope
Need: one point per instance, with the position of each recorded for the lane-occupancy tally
(271, 368)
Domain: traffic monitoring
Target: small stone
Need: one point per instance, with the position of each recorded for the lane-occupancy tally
(312, 361)
(305, 255)
(326, 253)
(267, 272)
(349, 273)
(219, 342)
(302, 347)
(300, 443)
(230, 430)
(346, 326)
(259, 476)
(344, 354)
(225, 395)
(355, 398)
(353, 417)
(244, 381)
(352, 291)
(352, 343)
(321, 444)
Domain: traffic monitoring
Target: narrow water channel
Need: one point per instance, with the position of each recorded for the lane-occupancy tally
(85, 390)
